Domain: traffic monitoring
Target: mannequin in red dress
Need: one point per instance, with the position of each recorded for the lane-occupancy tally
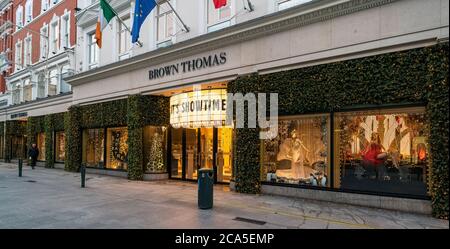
(374, 157)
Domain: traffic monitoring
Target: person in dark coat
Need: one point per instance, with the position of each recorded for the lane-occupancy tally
(33, 153)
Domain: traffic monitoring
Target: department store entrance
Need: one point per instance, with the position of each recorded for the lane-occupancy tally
(192, 149)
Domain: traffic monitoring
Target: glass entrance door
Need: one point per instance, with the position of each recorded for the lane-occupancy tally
(224, 154)
(191, 158)
(206, 148)
(198, 148)
(176, 154)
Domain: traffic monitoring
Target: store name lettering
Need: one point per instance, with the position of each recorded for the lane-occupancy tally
(189, 66)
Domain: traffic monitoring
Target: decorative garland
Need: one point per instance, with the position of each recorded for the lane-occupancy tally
(117, 154)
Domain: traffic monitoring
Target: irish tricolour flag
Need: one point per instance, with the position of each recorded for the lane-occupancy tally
(105, 14)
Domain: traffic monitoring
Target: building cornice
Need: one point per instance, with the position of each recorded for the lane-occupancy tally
(36, 66)
(295, 17)
(65, 97)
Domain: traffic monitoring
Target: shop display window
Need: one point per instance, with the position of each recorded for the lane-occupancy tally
(40, 142)
(18, 147)
(2, 147)
(155, 149)
(299, 154)
(60, 144)
(382, 151)
(93, 147)
(117, 148)
(176, 154)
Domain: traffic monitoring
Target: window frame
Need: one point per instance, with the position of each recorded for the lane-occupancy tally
(65, 30)
(28, 51)
(221, 24)
(101, 164)
(122, 33)
(293, 3)
(28, 11)
(54, 36)
(168, 39)
(18, 55)
(91, 44)
(19, 17)
(332, 157)
(329, 169)
(27, 90)
(55, 145)
(45, 3)
(44, 42)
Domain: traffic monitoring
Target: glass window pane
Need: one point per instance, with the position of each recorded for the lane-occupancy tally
(161, 25)
(155, 149)
(93, 149)
(169, 26)
(60, 146)
(382, 151)
(177, 153)
(224, 158)
(299, 154)
(117, 148)
(225, 12)
(40, 142)
(212, 13)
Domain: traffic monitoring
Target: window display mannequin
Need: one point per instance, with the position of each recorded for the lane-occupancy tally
(374, 157)
(294, 150)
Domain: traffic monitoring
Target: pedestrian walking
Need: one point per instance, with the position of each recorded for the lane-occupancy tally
(33, 154)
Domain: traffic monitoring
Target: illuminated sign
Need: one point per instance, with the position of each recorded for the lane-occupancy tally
(206, 108)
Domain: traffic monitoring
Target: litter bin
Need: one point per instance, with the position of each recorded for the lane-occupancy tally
(205, 188)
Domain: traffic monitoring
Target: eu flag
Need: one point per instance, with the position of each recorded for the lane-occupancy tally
(141, 10)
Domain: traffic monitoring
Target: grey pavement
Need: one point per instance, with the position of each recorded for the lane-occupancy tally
(52, 198)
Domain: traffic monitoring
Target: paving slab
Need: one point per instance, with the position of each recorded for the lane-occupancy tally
(52, 198)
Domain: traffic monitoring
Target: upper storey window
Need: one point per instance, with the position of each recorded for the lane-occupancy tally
(19, 17)
(44, 5)
(218, 18)
(29, 11)
(166, 25)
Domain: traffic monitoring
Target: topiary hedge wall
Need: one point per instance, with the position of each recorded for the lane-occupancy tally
(48, 125)
(13, 128)
(142, 111)
(413, 76)
(135, 112)
(135, 141)
(72, 126)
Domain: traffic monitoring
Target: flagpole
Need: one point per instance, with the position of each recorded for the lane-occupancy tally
(125, 25)
(186, 28)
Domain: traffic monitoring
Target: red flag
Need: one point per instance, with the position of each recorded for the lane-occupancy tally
(219, 3)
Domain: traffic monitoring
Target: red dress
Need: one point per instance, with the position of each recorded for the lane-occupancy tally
(371, 154)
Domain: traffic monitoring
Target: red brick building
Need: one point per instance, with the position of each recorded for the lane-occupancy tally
(6, 41)
(44, 35)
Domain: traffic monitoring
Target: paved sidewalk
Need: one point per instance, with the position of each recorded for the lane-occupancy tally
(51, 198)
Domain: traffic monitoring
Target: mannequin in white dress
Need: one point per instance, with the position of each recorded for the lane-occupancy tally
(294, 150)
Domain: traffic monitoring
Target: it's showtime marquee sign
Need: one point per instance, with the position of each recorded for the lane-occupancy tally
(206, 108)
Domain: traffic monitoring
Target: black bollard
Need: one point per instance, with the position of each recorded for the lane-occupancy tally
(83, 175)
(20, 167)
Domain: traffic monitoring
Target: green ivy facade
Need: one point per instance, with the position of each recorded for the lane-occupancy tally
(13, 128)
(413, 76)
(135, 112)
